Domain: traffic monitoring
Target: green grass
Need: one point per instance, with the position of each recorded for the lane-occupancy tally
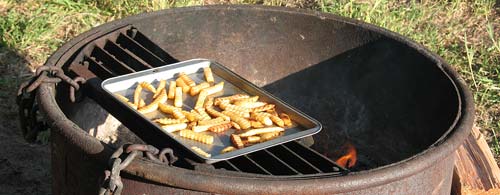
(465, 33)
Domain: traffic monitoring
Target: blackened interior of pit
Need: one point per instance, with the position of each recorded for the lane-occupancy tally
(384, 98)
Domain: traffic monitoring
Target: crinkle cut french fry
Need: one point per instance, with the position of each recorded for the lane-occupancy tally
(211, 111)
(201, 152)
(176, 112)
(154, 104)
(227, 106)
(121, 97)
(137, 94)
(221, 127)
(201, 128)
(148, 87)
(277, 120)
(211, 121)
(142, 103)
(237, 142)
(269, 136)
(181, 83)
(201, 99)
(227, 149)
(191, 125)
(132, 105)
(261, 131)
(174, 127)
(214, 89)
(208, 75)
(203, 114)
(200, 137)
(252, 139)
(256, 124)
(263, 118)
(196, 89)
(238, 112)
(286, 119)
(171, 90)
(250, 105)
(272, 112)
(170, 121)
(160, 87)
(242, 122)
(209, 102)
(230, 99)
(190, 116)
(235, 125)
(178, 97)
(246, 100)
(263, 108)
(186, 79)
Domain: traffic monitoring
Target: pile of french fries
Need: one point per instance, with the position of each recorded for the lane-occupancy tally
(254, 121)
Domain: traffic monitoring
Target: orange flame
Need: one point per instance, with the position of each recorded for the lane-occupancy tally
(348, 160)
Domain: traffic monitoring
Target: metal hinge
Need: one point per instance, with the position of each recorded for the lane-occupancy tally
(31, 125)
(112, 181)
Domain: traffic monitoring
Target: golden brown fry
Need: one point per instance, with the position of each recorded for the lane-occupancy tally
(142, 103)
(237, 142)
(277, 120)
(252, 139)
(221, 127)
(211, 111)
(242, 122)
(191, 116)
(272, 112)
(201, 99)
(201, 128)
(263, 108)
(154, 104)
(171, 90)
(170, 121)
(148, 87)
(208, 75)
(200, 137)
(286, 119)
(137, 94)
(174, 127)
(245, 100)
(209, 102)
(230, 99)
(256, 124)
(262, 117)
(160, 87)
(181, 83)
(178, 97)
(121, 97)
(191, 125)
(176, 112)
(235, 125)
(250, 105)
(227, 149)
(269, 136)
(227, 106)
(132, 105)
(204, 116)
(196, 89)
(211, 121)
(186, 79)
(201, 152)
(261, 131)
(214, 89)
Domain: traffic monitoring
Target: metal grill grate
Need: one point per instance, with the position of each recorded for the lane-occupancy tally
(127, 50)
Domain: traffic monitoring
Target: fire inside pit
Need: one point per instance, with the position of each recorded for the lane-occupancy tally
(392, 113)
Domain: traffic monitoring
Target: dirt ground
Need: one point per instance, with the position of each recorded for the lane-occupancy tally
(24, 167)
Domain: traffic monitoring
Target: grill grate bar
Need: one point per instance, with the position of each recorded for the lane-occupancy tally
(245, 164)
(100, 70)
(321, 162)
(125, 56)
(295, 160)
(282, 162)
(100, 55)
(228, 165)
(131, 45)
(147, 43)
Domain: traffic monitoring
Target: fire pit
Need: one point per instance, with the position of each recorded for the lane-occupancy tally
(392, 112)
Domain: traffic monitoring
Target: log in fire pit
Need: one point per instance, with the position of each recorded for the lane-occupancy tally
(392, 112)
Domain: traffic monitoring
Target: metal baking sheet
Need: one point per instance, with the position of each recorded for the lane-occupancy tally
(125, 85)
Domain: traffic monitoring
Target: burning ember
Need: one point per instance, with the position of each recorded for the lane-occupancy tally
(348, 160)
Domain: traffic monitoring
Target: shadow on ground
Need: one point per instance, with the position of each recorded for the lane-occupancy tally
(24, 167)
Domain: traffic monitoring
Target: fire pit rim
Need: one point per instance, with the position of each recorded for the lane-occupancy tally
(168, 175)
